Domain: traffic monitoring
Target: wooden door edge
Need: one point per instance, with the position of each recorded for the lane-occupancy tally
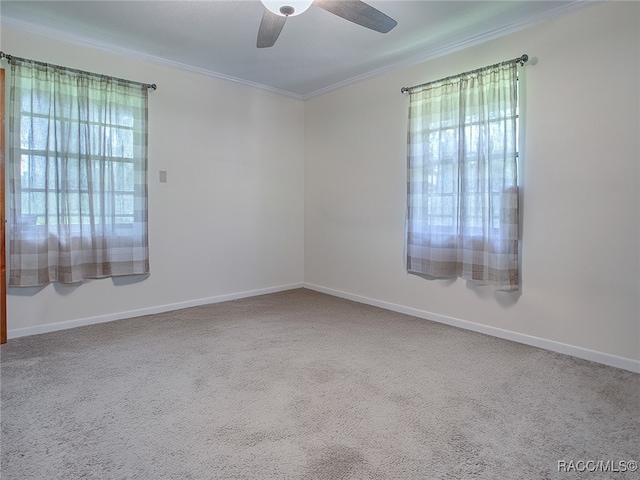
(3, 261)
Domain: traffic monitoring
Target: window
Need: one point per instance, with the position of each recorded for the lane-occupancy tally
(77, 175)
(462, 215)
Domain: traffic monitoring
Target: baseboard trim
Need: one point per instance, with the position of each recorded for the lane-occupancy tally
(53, 327)
(579, 352)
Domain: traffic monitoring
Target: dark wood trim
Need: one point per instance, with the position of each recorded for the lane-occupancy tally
(3, 264)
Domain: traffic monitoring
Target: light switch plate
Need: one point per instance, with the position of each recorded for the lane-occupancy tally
(163, 176)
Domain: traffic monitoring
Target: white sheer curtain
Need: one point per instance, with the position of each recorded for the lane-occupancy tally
(77, 173)
(462, 215)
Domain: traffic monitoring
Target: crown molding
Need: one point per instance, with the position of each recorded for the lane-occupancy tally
(462, 45)
(84, 41)
(408, 62)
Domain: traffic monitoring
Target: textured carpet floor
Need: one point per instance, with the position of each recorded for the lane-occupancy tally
(302, 385)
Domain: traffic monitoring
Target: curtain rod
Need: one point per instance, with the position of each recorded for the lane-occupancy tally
(521, 60)
(11, 57)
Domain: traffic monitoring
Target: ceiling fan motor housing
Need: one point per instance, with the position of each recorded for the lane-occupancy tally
(287, 10)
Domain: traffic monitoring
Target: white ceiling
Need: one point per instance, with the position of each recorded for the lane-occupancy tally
(316, 51)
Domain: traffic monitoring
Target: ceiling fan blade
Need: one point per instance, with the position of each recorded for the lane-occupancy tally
(358, 12)
(270, 28)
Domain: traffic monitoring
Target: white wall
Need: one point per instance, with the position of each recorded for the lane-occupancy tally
(230, 218)
(580, 180)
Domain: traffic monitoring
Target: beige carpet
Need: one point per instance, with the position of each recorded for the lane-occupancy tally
(301, 385)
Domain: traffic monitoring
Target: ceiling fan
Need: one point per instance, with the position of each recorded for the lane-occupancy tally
(276, 13)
